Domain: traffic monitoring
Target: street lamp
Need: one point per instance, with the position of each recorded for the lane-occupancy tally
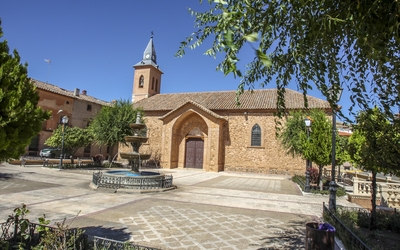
(335, 92)
(307, 121)
(63, 121)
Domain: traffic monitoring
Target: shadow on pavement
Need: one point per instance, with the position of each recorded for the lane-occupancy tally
(119, 234)
(6, 176)
(293, 237)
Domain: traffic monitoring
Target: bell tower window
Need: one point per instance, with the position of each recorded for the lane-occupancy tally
(156, 84)
(152, 84)
(141, 81)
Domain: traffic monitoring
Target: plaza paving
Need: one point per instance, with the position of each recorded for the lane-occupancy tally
(207, 210)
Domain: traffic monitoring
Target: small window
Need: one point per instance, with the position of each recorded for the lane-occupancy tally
(89, 107)
(152, 84)
(156, 84)
(141, 81)
(256, 136)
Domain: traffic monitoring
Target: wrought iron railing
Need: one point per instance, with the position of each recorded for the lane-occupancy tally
(100, 243)
(343, 231)
(117, 182)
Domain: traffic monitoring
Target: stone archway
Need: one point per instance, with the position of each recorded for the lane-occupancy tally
(192, 128)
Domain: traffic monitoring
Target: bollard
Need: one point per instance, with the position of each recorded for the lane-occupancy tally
(23, 161)
(45, 162)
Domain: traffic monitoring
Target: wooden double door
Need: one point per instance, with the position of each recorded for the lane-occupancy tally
(194, 153)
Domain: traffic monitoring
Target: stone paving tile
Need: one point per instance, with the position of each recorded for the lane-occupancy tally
(281, 186)
(177, 225)
(14, 185)
(207, 211)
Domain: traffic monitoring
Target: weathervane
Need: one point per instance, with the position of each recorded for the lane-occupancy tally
(152, 34)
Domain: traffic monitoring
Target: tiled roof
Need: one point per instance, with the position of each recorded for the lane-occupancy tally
(226, 100)
(57, 90)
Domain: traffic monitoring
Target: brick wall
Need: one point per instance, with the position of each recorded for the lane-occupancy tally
(232, 152)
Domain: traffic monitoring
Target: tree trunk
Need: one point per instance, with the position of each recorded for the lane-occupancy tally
(372, 224)
(111, 147)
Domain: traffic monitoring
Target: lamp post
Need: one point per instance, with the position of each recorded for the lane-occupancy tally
(307, 121)
(63, 121)
(335, 94)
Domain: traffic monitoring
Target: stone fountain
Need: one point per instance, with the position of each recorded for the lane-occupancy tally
(135, 178)
(135, 158)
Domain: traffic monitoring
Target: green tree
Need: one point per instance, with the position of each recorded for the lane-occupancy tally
(290, 135)
(374, 146)
(313, 43)
(318, 147)
(111, 124)
(342, 155)
(20, 118)
(74, 138)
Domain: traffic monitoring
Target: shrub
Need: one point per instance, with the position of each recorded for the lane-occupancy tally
(301, 180)
(313, 175)
(98, 159)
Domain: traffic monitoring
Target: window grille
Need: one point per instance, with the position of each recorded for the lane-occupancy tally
(256, 136)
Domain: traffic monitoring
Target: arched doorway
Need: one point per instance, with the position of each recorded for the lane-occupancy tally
(194, 153)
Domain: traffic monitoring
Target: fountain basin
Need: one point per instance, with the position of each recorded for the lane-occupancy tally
(137, 126)
(127, 181)
(133, 156)
(136, 138)
(123, 180)
(130, 173)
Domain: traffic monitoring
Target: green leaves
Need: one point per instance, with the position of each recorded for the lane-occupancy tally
(220, 2)
(20, 118)
(312, 43)
(111, 124)
(264, 58)
(375, 143)
(252, 37)
(74, 138)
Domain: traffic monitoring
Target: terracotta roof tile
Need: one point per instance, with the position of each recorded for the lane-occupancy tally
(57, 90)
(226, 100)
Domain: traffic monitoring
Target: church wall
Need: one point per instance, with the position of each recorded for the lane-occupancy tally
(233, 153)
(269, 158)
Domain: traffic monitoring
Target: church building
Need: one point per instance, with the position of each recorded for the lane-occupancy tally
(208, 130)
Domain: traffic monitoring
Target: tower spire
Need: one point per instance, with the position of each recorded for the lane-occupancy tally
(149, 54)
(147, 76)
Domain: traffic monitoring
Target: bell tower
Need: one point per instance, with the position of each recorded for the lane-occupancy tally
(147, 76)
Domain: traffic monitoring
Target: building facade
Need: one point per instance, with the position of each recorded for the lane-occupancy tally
(78, 106)
(208, 130)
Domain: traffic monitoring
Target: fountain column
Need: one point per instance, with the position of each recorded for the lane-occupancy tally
(135, 158)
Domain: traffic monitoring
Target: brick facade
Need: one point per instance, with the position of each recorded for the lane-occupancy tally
(227, 141)
(223, 128)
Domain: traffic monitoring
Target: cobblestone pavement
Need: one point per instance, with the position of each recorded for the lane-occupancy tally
(206, 211)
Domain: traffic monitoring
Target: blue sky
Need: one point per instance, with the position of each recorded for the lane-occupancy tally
(93, 45)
